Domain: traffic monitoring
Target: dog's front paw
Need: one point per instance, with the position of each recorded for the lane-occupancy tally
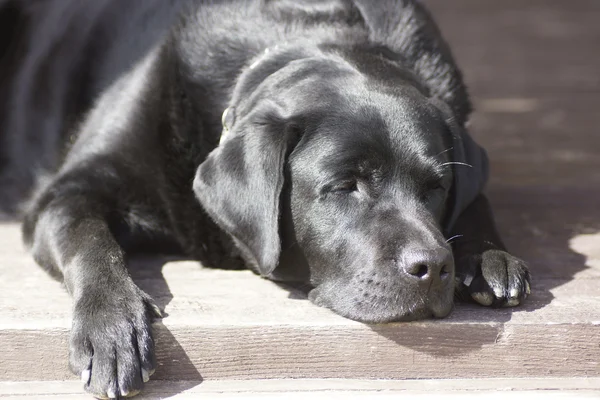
(111, 344)
(493, 278)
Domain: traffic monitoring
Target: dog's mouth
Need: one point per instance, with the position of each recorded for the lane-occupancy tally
(378, 302)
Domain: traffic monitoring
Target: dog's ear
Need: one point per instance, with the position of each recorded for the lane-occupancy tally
(470, 168)
(240, 183)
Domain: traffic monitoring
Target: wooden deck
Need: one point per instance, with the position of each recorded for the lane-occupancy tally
(533, 68)
(330, 389)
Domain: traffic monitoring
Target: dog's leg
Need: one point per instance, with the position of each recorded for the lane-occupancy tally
(111, 345)
(485, 271)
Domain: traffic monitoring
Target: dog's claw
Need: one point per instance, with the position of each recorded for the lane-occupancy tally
(128, 393)
(495, 278)
(156, 310)
(131, 394)
(484, 299)
(512, 302)
(146, 375)
(498, 292)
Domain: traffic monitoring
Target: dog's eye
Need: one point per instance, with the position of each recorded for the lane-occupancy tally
(344, 187)
(439, 185)
(435, 190)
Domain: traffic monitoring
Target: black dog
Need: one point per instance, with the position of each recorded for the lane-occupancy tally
(317, 141)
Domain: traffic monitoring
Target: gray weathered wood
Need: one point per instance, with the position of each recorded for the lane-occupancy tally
(234, 325)
(329, 389)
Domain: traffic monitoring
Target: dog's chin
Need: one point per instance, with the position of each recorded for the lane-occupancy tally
(377, 309)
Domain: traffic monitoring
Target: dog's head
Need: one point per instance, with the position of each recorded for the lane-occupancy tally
(355, 167)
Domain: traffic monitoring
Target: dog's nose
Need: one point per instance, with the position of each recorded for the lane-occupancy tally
(428, 265)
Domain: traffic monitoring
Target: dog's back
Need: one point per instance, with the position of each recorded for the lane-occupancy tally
(94, 44)
(59, 55)
(62, 55)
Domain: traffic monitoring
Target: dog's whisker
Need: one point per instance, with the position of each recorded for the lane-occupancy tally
(445, 151)
(456, 163)
(453, 237)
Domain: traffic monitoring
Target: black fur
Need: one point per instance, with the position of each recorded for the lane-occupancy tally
(344, 163)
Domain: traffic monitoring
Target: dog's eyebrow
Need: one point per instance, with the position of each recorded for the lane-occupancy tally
(348, 167)
(438, 170)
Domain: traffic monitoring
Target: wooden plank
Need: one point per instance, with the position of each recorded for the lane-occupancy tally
(260, 330)
(328, 389)
(409, 351)
(188, 292)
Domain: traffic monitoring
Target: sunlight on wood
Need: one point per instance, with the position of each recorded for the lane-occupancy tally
(587, 245)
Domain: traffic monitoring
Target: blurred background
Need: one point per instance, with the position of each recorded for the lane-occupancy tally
(533, 69)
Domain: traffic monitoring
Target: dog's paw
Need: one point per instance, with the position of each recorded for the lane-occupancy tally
(493, 278)
(111, 344)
